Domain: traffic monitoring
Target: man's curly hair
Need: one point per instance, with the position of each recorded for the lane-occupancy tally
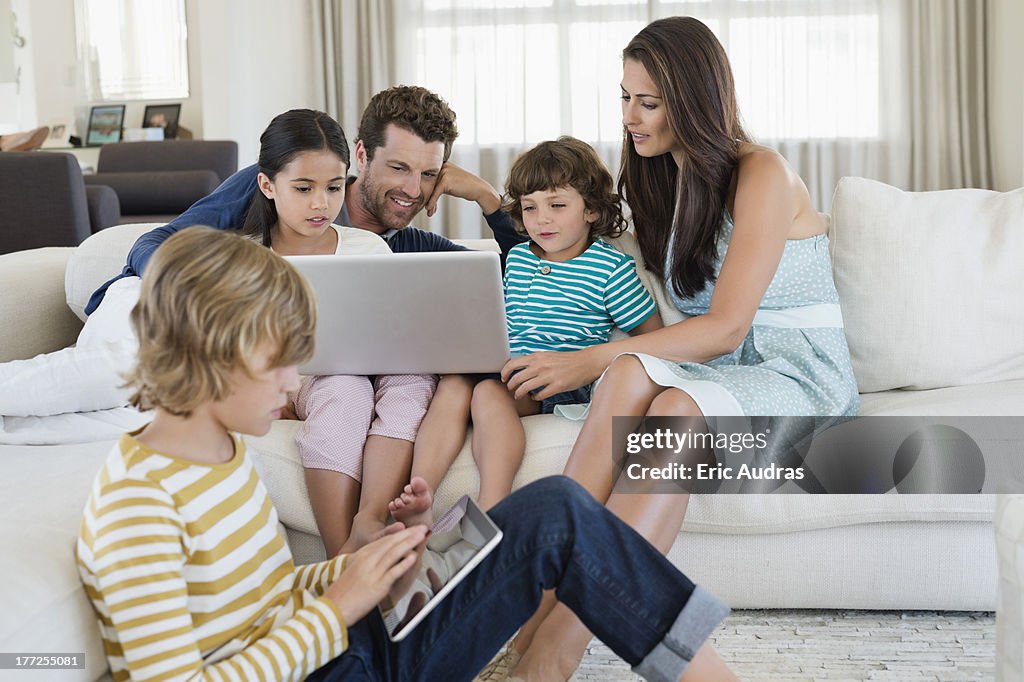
(412, 108)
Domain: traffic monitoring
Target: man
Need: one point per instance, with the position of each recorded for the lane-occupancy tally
(404, 140)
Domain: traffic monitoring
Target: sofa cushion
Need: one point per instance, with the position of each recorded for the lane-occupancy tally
(98, 259)
(930, 284)
(550, 438)
(35, 316)
(44, 490)
(1003, 398)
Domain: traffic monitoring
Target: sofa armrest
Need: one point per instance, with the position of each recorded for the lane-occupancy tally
(104, 207)
(34, 315)
(157, 192)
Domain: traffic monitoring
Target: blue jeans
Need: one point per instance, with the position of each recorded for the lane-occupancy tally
(556, 536)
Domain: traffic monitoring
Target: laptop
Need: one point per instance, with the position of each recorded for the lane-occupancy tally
(407, 313)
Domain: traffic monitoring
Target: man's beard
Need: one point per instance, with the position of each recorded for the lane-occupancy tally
(380, 206)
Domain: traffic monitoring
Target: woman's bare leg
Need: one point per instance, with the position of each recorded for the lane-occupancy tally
(558, 644)
(625, 390)
(443, 430)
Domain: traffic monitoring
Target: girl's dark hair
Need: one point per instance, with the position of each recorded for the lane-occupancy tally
(566, 162)
(289, 134)
(688, 64)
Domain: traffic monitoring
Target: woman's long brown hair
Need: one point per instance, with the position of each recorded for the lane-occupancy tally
(684, 204)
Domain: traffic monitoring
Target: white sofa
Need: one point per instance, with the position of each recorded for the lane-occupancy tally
(930, 286)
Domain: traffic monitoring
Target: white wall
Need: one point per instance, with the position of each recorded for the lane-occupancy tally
(57, 72)
(258, 60)
(17, 85)
(60, 89)
(1006, 92)
(248, 60)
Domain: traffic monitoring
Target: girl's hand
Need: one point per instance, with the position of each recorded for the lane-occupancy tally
(371, 571)
(551, 372)
(288, 411)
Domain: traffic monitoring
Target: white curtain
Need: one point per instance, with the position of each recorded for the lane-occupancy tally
(356, 42)
(887, 89)
(132, 49)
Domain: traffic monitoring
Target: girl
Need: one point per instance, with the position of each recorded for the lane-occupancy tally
(303, 163)
(731, 230)
(564, 290)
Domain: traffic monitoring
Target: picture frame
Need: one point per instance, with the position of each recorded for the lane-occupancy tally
(105, 123)
(60, 134)
(163, 116)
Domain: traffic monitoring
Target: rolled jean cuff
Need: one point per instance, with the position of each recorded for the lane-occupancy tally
(695, 623)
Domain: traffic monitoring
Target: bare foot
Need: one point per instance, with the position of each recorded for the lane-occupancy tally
(412, 507)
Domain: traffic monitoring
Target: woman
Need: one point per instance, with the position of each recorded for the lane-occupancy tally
(730, 228)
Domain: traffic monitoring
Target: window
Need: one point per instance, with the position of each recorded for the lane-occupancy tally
(133, 49)
(520, 72)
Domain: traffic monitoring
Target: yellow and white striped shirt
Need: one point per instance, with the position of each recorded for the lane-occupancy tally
(188, 573)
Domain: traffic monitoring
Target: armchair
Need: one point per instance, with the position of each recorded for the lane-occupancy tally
(45, 202)
(156, 181)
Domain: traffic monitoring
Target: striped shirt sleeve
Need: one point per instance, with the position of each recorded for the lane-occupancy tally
(627, 300)
(131, 556)
(317, 577)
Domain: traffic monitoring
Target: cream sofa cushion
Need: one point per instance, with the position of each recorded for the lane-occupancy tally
(548, 442)
(96, 260)
(45, 609)
(930, 284)
(35, 317)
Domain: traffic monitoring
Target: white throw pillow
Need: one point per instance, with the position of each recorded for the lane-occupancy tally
(930, 284)
(96, 260)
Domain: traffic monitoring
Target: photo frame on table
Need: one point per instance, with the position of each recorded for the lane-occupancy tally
(105, 123)
(163, 116)
(60, 134)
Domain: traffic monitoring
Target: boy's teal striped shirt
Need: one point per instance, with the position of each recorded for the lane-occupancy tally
(555, 306)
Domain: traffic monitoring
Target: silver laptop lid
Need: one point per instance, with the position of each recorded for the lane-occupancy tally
(407, 313)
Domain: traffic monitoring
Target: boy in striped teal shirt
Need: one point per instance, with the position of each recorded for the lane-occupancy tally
(565, 290)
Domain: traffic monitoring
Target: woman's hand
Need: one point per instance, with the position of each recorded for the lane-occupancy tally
(372, 571)
(551, 372)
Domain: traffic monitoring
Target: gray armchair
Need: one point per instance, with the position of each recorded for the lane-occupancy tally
(44, 202)
(157, 181)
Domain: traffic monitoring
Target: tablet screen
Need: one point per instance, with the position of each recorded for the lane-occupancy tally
(460, 540)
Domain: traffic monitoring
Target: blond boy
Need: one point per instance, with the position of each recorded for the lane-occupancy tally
(179, 549)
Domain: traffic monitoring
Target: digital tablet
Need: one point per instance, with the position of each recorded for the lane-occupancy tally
(460, 540)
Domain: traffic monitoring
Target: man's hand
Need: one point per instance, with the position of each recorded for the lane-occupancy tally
(460, 183)
(371, 571)
(551, 372)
